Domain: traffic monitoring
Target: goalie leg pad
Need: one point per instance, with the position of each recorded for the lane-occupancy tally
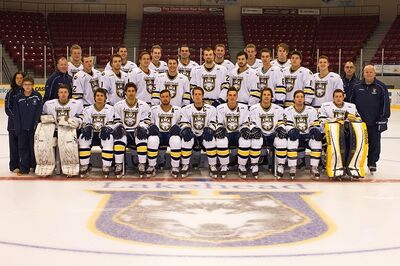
(44, 150)
(68, 147)
(358, 148)
(335, 149)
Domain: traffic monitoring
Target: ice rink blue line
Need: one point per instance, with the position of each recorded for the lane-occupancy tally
(333, 253)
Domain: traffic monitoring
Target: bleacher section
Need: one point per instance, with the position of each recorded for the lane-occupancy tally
(391, 45)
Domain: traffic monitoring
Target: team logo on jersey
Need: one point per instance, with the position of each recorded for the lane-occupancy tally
(74, 71)
(208, 83)
(267, 122)
(185, 72)
(339, 114)
(119, 88)
(130, 117)
(199, 120)
(232, 122)
(62, 112)
(289, 82)
(98, 121)
(149, 84)
(172, 89)
(165, 122)
(263, 83)
(237, 82)
(320, 88)
(301, 123)
(94, 83)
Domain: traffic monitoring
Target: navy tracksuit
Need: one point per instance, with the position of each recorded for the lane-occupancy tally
(373, 104)
(27, 111)
(12, 137)
(53, 82)
(348, 85)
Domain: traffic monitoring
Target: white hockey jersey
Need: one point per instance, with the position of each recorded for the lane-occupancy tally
(179, 88)
(98, 118)
(233, 120)
(276, 63)
(129, 65)
(255, 65)
(187, 69)
(72, 109)
(131, 116)
(331, 112)
(228, 64)
(267, 119)
(84, 85)
(145, 83)
(303, 120)
(163, 67)
(272, 78)
(301, 79)
(164, 120)
(212, 81)
(72, 69)
(198, 119)
(114, 85)
(324, 88)
(246, 85)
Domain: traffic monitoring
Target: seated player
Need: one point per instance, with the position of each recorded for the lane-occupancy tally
(233, 131)
(303, 130)
(268, 131)
(163, 131)
(130, 129)
(345, 134)
(97, 128)
(198, 124)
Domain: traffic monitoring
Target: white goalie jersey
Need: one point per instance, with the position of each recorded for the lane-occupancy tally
(129, 65)
(267, 119)
(98, 118)
(72, 69)
(72, 109)
(303, 120)
(187, 69)
(114, 85)
(84, 85)
(324, 88)
(179, 88)
(301, 79)
(198, 119)
(272, 78)
(330, 112)
(163, 67)
(164, 120)
(245, 84)
(131, 116)
(233, 120)
(213, 81)
(145, 83)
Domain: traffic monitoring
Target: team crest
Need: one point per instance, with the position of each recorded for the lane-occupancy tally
(94, 83)
(199, 121)
(165, 122)
(119, 88)
(232, 122)
(208, 83)
(237, 82)
(320, 88)
(301, 123)
(130, 117)
(98, 121)
(172, 89)
(267, 122)
(185, 72)
(289, 82)
(150, 84)
(339, 114)
(263, 83)
(62, 112)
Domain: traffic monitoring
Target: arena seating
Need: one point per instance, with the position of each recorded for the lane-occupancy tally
(391, 45)
(28, 29)
(101, 32)
(172, 30)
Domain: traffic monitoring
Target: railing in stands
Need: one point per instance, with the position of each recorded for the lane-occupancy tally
(6, 71)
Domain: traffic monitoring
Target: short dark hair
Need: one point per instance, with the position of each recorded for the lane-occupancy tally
(100, 90)
(231, 89)
(338, 91)
(60, 58)
(207, 49)
(324, 57)
(143, 53)
(297, 92)
(130, 85)
(174, 58)
(198, 89)
(296, 52)
(113, 56)
(266, 89)
(284, 46)
(29, 79)
(265, 50)
(240, 53)
(63, 86)
(121, 46)
(165, 91)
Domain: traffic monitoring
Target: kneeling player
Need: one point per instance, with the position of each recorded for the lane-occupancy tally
(97, 128)
(198, 127)
(346, 138)
(233, 131)
(164, 130)
(303, 130)
(269, 130)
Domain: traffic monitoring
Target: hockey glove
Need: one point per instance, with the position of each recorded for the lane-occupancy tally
(141, 133)
(119, 132)
(208, 134)
(294, 134)
(187, 134)
(220, 133)
(175, 130)
(382, 125)
(256, 133)
(281, 132)
(245, 133)
(315, 134)
(105, 132)
(45, 119)
(153, 130)
(87, 132)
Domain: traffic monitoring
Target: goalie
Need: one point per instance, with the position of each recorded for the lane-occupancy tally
(346, 138)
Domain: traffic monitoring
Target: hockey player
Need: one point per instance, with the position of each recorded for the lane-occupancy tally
(282, 61)
(268, 130)
(164, 131)
(270, 77)
(296, 78)
(177, 84)
(219, 51)
(303, 130)
(244, 80)
(212, 78)
(185, 65)
(233, 131)
(85, 82)
(126, 65)
(325, 83)
(114, 80)
(75, 65)
(251, 52)
(97, 129)
(130, 129)
(156, 64)
(198, 124)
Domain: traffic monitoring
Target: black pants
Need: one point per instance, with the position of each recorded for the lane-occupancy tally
(13, 147)
(374, 145)
(25, 150)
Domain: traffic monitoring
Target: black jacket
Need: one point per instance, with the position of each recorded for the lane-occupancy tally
(9, 102)
(27, 111)
(53, 82)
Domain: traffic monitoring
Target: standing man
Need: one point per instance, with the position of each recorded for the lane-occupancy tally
(251, 52)
(219, 51)
(114, 80)
(349, 79)
(282, 61)
(60, 76)
(185, 65)
(371, 98)
(126, 65)
(75, 65)
(156, 64)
